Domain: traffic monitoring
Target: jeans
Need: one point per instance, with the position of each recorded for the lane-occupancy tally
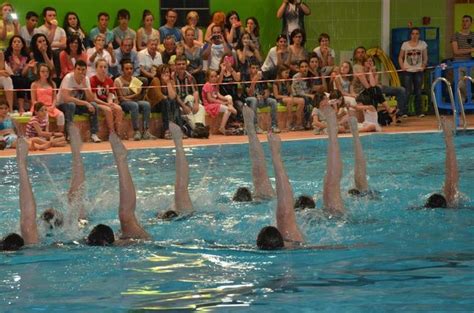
(170, 113)
(134, 107)
(413, 81)
(255, 103)
(69, 109)
(400, 94)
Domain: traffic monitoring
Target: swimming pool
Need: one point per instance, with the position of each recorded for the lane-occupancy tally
(395, 258)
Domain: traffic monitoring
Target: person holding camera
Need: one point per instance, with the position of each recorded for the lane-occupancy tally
(292, 13)
(9, 25)
(216, 49)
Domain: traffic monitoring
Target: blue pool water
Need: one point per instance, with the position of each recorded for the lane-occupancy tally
(395, 258)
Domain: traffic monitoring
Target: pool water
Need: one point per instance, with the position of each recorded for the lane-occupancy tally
(385, 256)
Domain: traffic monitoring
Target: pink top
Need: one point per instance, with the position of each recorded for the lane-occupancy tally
(67, 64)
(46, 95)
(212, 108)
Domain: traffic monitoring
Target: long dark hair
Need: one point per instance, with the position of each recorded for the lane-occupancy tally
(34, 48)
(240, 44)
(72, 39)
(227, 24)
(256, 31)
(66, 22)
(9, 51)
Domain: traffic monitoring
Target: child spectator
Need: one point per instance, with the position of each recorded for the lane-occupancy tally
(7, 134)
(5, 81)
(317, 82)
(37, 130)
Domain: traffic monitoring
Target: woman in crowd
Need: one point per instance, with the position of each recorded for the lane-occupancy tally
(44, 90)
(192, 51)
(192, 19)
(246, 53)
(9, 25)
(72, 27)
(40, 51)
(282, 91)
(326, 54)
(16, 57)
(74, 51)
(218, 18)
(103, 87)
(297, 50)
(277, 56)
(253, 28)
(413, 59)
(146, 31)
(343, 82)
(37, 130)
(230, 77)
(99, 52)
(232, 28)
(318, 83)
(292, 13)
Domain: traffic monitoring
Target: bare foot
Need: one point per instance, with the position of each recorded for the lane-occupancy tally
(118, 148)
(222, 131)
(248, 119)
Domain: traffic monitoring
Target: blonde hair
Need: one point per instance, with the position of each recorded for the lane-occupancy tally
(192, 14)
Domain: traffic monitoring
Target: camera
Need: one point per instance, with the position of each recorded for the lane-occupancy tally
(215, 37)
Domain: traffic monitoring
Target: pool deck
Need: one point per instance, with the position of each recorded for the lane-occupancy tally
(409, 125)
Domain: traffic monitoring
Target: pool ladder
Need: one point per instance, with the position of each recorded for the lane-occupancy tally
(451, 98)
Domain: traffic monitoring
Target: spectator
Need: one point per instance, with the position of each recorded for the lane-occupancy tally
(232, 28)
(56, 35)
(9, 25)
(43, 90)
(462, 42)
(5, 81)
(218, 18)
(297, 50)
(122, 31)
(276, 57)
(258, 96)
(317, 82)
(147, 31)
(7, 133)
(76, 97)
(326, 54)
(130, 99)
(68, 57)
(169, 27)
(413, 59)
(253, 28)
(40, 51)
(16, 57)
(149, 57)
(37, 130)
(247, 53)
(216, 49)
(104, 91)
(343, 81)
(102, 28)
(169, 49)
(72, 26)
(228, 80)
(301, 88)
(292, 13)
(29, 30)
(192, 19)
(99, 51)
(192, 51)
(125, 51)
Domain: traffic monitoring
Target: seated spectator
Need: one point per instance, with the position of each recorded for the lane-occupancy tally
(7, 133)
(102, 28)
(9, 25)
(169, 49)
(326, 54)
(253, 28)
(99, 51)
(5, 80)
(228, 80)
(122, 30)
(258, 96)
(40, 51)
(29, 30)
(247, 53)
(215, 49)
(343, 83)
(214, 102)
(193, 51)
(76, 97)
(292, 13)
(170, 29)
(125, 51)
(147, 31)
(149, 57)
(43, 90)
(37, 130)
(16, 57)
(232, 28)
(179, 51)
(276, 57)
(104, 91)
(192, 19)
(301, 88)
(130, 97)
(282, 92)
(68, 57)
(72, 27)
(296, 50)
(217, 19)
(317, 82)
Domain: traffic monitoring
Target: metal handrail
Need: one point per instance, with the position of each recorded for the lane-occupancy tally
(461, 103)
(451, 97)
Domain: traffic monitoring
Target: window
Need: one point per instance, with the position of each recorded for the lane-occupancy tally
(183, 7)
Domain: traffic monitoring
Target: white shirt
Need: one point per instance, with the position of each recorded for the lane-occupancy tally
(217, 51)
(91, 65)
(58, 34)
(413, 59)
(26, 35)
(78, 89)
(147, 61)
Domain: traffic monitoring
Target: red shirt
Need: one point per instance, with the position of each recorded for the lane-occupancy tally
(102, 88)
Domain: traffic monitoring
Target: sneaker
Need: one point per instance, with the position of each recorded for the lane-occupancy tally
(137, 136)
(276, 130)
(258, 130)
(147, 136)
(421, 115)
(404, 116)
(95, 138)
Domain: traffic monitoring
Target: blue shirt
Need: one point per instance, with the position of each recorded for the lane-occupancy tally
(109, 36)
(117, 70)
(6, 124)
(165, 31)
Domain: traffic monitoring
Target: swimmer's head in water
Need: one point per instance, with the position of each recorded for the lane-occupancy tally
(270, 238)
(436, 200)
(168, 215)
(354, 192)
(242, 194)
(304, 202)
(53, 218)
(12, 242)
(101, 235)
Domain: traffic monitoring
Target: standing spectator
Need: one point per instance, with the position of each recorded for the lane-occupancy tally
(216, 49)
(29, 30)
(16, 57)
(125, 51)
(413, 59)
(130, 99)
(72, 26)
(297, 50)
(9, 25)
(147, 31)
(68, 57)
(326, 54)
(149, 57)
(169, 27)
(76, 97)
(122, 31)
(277, 56)
(192, 19)
(99, 51)
(247, 53)
(462, 42)
(253, 28)
(55, 34)
(102, 28)
(232, 28)
(292, 13)
(192, 51)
